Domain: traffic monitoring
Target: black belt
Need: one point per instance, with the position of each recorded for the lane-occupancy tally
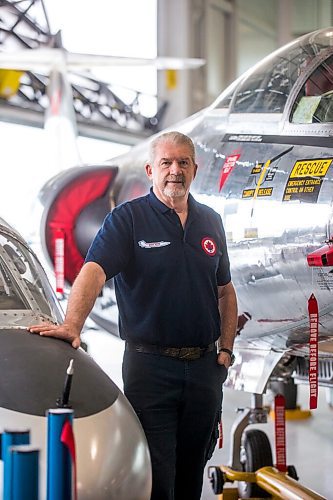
(187, 353)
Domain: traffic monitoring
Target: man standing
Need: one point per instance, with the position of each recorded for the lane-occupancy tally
(177, 314)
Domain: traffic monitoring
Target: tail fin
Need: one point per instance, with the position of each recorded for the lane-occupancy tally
(60, 124)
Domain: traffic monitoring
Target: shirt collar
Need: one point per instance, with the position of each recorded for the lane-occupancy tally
(156, 203)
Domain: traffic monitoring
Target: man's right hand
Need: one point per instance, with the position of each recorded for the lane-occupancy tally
(85, 290)
(64, 332)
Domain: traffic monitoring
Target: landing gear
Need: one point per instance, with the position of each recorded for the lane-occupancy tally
(250, 448)
(288, 389)
(251, 462)
(255, 453)
(282, 381)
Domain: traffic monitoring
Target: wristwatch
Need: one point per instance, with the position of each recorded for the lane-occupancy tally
(231, 354)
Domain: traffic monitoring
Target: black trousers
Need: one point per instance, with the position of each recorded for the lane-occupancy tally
(179, 405)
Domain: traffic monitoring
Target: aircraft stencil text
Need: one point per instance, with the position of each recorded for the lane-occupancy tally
(307, 168)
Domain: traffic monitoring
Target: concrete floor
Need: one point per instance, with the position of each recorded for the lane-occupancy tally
(309, 442)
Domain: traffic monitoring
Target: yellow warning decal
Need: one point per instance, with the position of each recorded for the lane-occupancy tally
(265, 191)
(249, 193)
(311, 168)
(257, 169)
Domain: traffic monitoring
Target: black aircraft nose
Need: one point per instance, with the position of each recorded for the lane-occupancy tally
(33, 370)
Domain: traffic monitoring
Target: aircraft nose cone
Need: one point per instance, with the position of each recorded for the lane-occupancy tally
(113, 460)
(117, 463)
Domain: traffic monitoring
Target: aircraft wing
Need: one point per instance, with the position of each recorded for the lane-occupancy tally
(44, 59)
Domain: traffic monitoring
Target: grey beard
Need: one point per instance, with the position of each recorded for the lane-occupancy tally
(174, 191)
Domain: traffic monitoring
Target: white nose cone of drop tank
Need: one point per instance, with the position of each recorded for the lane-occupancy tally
(113, 460)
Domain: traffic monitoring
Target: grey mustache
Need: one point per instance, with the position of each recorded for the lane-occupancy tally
(176, 178)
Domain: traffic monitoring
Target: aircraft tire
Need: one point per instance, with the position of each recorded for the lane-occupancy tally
(217, 480)
(255, 453)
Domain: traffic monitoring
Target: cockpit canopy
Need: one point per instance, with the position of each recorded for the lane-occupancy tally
(297, 79)
(26, 297)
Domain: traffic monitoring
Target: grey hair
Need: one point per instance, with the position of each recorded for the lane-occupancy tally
(176, 138)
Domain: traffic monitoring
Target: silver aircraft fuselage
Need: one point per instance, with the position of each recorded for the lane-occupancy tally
(265, 163)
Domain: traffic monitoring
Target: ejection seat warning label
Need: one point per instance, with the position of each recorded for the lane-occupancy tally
(306, 179)
(324, 278)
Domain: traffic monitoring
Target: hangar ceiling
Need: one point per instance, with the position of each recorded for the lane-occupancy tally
(101, 111)
(231, 35)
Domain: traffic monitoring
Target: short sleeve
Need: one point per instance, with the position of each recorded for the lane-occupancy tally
(112, 247)
(223, 272)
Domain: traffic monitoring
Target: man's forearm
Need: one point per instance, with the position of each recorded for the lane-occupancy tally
(229, 316)
(85, 290)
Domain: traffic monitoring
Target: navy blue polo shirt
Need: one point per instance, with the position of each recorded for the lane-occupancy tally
(166, 277)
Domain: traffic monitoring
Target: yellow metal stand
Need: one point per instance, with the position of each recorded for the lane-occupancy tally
(296, 414)
(229, 494)
(278, 484)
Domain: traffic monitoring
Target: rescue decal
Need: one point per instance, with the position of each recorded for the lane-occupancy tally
(261, 174)
(209, 246)
(305, 180)
(228, 165)
(153, 244)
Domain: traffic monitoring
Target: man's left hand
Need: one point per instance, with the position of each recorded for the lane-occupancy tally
(223, 358)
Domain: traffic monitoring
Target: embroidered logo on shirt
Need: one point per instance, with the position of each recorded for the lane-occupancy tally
(153, 244)
(209, 246)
